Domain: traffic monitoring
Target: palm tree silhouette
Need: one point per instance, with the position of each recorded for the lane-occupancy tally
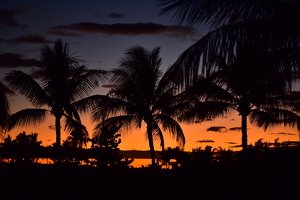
(266, 25)
(4, 109)
(61, 82)
(139, 93)
(249, 85)
(265, 31)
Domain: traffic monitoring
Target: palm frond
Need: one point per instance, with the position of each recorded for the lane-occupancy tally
(83, 82)
(25, 85)
(27, 117)
(224, 42)
(125, 122)
(77, 130)
(111, 107)
(270, 117)
(219, 12)
(171, 125)
(203, 111)
(55, 69)
(157, 135)
(163, 100)
(4, 108)
(88, 103)
(138, 73)
(71, 111)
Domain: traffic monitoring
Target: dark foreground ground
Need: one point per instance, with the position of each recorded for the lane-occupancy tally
(69, 182)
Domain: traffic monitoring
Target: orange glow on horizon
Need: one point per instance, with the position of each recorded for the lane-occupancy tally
(135, 139)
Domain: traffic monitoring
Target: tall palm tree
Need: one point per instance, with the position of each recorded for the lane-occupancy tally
(62, 81)
(251, 86)
(139, 93)
(4, 109)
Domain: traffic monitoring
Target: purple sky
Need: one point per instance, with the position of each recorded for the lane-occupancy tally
(98, 32)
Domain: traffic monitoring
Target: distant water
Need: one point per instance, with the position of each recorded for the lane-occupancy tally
(137, 163)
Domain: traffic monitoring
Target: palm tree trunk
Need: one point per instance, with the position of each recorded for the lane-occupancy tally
(58, 140)
(244, 132)
(151, 144)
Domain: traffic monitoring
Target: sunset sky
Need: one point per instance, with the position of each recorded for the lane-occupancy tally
(98, 32)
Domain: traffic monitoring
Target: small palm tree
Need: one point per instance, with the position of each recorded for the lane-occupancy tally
(249, 86)
(139, 93)
(61, 83)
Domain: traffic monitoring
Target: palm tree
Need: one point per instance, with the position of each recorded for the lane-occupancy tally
(139, 93)
(212, 14)
(269, 26)
(61, 83)
(4, 109)
(240, 32)
(251, 86)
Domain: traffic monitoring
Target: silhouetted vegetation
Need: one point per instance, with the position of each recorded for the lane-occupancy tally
(247, 54)
(105, 152)
(141, 93)
(4, 109)
(62, 83)
(248, 62)
(23, 149)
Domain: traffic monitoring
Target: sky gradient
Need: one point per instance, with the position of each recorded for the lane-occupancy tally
(98, 33)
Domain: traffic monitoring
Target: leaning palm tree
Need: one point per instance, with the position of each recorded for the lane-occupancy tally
(139, 93)
(267, 25)
(61, 82)
(265, 30)
(251, 86)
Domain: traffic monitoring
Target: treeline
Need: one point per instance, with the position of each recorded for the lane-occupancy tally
(26, 149)
(248, 63)
(267, 155)
(104, 153)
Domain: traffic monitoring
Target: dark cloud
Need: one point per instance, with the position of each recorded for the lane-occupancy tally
(292, 142)
(36, 39)
(82, 60)
(36, 73)
(7, 18)
(11, 60)
(33, 50)
(63, 33)
(115, 15)
(235, 128)
(108, 86)
(125, 29)
(282, 133)
(231, 142)
(51, 127)
(221, 129)
(208, 141)
(235, 146)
